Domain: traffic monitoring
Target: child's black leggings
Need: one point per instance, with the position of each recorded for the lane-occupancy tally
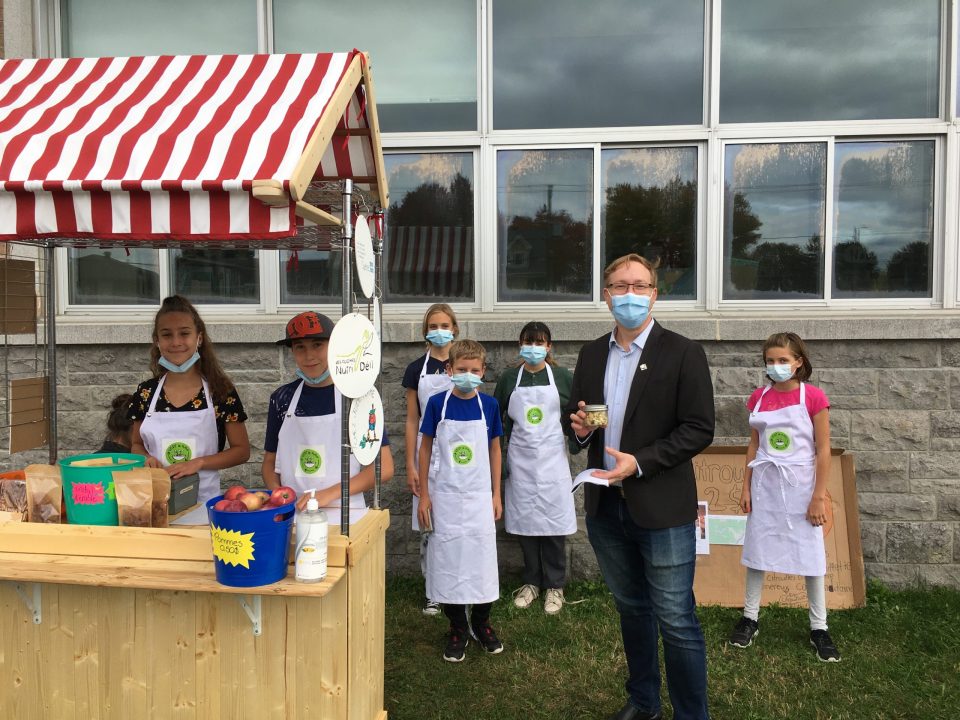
(457, 614)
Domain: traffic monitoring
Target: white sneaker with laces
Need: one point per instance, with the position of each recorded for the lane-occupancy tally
(553, 601)
(525, 595)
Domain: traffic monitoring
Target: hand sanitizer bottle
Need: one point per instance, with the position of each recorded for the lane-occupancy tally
(311, 558)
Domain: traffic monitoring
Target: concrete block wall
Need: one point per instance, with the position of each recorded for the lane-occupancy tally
(895, 406)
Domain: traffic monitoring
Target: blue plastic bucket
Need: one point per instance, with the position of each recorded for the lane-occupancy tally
(88, 490)
(250, 548)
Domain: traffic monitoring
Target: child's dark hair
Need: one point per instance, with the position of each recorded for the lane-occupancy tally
(210, 368)
(536, 331)
(119, 421)
(794, 343)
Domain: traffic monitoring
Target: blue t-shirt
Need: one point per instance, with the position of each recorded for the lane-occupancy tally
(314, 401)
(459, 409)
(411, 376)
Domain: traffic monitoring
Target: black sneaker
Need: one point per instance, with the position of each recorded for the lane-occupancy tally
(430, 607)
(487, 638)
(826, 650)
(743, 633)
(456, 646)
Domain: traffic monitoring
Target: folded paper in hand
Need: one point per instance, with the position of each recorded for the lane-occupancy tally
(587, 477)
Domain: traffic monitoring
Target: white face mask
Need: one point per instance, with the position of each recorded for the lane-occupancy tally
(779, 373)
(182, 368)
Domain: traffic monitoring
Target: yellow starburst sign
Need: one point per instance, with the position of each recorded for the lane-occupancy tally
(232, 547)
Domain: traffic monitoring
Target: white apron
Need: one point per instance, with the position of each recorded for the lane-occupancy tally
(537, 497)
(779, 537)
(308, 456)
(173, 437)
(462, 552)
(427, 387)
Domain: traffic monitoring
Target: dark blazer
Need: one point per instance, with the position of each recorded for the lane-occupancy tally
(669, 418)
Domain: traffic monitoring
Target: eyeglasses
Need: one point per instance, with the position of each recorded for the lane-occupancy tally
(641, 288)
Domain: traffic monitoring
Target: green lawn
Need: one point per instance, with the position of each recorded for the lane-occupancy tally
(901, 659)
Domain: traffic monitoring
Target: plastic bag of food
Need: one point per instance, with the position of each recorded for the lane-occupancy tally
(44, 493)
(159, 516)
(134, 496)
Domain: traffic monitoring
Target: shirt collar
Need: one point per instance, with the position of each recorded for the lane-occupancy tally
(639, 341)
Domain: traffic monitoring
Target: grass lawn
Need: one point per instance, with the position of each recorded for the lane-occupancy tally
(901, 659)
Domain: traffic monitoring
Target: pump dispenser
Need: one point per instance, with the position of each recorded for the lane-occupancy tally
(311, 558)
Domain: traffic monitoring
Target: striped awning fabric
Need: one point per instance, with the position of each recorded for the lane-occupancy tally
(169, 147)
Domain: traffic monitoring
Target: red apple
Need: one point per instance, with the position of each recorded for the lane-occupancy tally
(222, 505)
(283, 496)
(264, 496)
(236, 506)
(252, 501)
(234, 492)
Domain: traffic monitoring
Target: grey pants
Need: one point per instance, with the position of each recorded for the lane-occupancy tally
(544, 560)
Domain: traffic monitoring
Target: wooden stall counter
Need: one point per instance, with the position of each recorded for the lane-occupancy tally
(110, 622)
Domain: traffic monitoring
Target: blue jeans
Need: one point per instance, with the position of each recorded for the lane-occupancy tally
(650, 573)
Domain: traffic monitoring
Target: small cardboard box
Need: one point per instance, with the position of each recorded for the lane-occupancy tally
(720, 577)
(184, 493)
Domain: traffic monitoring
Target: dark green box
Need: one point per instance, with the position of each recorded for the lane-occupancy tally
(184, 493)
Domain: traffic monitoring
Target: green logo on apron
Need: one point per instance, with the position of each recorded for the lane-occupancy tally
(310, 462)
(534, 416)
(779, 441)
(462, 455)
(177, 452)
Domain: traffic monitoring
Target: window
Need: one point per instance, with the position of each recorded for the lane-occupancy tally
(429, 253)
(113, 276)
(649, 205)
(619, 63)
(99, 28)
(310, 277)
(226, 276)
(773, 221)
(545, 225)
(828, 60)
(883, 219)
(423, 53)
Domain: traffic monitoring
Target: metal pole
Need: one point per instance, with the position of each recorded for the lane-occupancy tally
(378, 297)
(346, 308)
(50, 330)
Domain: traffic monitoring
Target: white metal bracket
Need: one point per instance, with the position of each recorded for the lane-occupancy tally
(33, 604)
(253, 609)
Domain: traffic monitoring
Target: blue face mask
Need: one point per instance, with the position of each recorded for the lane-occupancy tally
(310, 380)
(630, 310)
(439, 337)
(173, 367)
(779, 373)
(467, 382)
(533, 354)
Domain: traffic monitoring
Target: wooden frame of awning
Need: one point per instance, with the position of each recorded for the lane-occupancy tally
(272, 192)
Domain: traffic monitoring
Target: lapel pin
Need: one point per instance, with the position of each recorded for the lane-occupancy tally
(643, 367)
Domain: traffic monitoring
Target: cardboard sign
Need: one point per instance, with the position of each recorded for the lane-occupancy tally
(720, 577)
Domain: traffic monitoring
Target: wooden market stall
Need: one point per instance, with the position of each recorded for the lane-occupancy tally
(265, 151)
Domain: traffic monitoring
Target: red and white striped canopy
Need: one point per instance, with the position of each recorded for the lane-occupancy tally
(169, 147)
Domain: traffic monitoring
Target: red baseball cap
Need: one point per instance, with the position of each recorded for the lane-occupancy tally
(307, 324)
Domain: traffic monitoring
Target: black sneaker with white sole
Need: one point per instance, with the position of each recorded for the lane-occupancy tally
(430, 608)
(487, 638)
(744, 632)
(823, 644)
(456, 646)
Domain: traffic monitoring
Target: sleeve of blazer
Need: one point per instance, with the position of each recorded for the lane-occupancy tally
(695, 419)
(577, 393)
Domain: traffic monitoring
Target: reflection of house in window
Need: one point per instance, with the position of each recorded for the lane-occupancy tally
(518, 253)
(204, 276)
(104, 280)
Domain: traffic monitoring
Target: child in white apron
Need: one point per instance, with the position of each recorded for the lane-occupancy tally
(538, 505)
(460, 500)
(785, 488)
(423, 378)
(302, 443)
(188, 418)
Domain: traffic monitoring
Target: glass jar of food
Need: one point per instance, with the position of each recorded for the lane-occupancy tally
(596, 416)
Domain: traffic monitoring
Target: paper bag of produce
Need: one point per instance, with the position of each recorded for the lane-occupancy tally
(13, 498)
(134, 496)
(44, 493)
(161, 497)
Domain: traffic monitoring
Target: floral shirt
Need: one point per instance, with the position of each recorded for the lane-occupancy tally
(230, 410)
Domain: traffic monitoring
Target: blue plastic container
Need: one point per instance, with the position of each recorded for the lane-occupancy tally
(250, 548)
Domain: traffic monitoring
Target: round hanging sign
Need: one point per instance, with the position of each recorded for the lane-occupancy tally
(366, 426)
(363, 255)
(354, 355)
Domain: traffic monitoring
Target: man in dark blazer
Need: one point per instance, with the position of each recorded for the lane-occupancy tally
(657, 387)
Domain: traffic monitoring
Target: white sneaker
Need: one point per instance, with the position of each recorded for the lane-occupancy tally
(553, 601)
(525, 595)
